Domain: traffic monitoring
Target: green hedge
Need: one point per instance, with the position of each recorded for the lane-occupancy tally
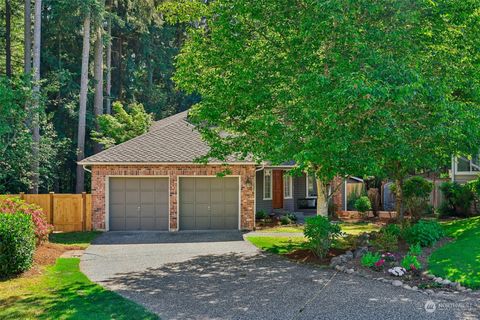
(17, 243)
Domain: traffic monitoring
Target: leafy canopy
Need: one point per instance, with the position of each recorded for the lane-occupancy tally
(123, 125)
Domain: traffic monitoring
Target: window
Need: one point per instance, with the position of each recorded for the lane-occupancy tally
(267, 184)
(311, 190)
(465, 165)
(287, 186)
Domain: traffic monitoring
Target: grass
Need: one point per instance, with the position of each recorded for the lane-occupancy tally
(78, 239)
(63, 292)
(278, 245)
(348, 228)
(459, 260)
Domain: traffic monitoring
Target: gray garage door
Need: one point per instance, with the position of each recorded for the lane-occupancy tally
(138, 204)
(208, 203)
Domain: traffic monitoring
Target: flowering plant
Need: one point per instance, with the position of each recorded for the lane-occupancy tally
(18, 206)
(390, 257)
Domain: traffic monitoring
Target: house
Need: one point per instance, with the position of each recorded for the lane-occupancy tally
(464, 170)
(152, 182)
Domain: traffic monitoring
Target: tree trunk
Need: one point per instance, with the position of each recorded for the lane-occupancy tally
(27, 55)
(98, 75)
(322, 199)
(82, 112)
(37, 36)
(109, 64)
(8, 40)
(399, 205)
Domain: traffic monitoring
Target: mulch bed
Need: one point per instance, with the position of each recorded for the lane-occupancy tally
(307, 256)
(46, 254)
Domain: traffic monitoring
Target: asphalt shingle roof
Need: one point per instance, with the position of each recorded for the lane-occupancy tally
(170, 140)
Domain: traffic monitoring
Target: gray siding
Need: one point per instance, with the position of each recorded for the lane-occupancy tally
(265, 205)
(463, 178)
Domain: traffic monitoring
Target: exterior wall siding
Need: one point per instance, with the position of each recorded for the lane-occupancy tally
(101, 172)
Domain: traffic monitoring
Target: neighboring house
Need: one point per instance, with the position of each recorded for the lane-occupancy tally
(152, 182)
(464, 170)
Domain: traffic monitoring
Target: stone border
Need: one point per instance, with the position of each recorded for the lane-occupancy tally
(338, 262)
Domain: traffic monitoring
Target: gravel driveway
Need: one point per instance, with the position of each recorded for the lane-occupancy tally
(217, 275)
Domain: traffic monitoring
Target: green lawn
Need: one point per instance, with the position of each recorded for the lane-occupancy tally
(78, 239)
(278, 245)
(348, 228)
(460, 260)
(63, 292)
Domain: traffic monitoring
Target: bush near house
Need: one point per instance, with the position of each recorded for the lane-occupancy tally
(320, 234)
(458, 199)
(425, 233)
(17, 243)
(363, 205)
(16, 206)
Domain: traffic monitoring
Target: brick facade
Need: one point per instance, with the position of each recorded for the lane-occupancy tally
(101, 172)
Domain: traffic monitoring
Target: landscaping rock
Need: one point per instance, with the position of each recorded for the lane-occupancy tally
(349, 255)
(429, 291)
(407, 287)
(360, 252)
(340, 268)
(430, 276)
(397, 283)
(438, 280)
(446, 282)
(337, 261)
(397, 271)
(415, 288)
(350, 271)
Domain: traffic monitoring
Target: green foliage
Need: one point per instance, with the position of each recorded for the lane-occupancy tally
(392, 228)
(261, 215)
(425, 233)
(410, 262)
(123, 125)
(291, 216)
(369, 259)
(17, 243)
(284, 220)
(275, 76)
(385, 242)
(457, 199)
(363, 204)
(417, 187)
(320, 234)
(415, 250)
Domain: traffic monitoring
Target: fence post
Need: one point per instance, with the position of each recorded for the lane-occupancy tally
(84, 211)
(22, 195)
(51, 195)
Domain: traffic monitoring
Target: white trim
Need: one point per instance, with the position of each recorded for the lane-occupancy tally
(211, 176)
(254, 200)
(306, 188)
(271, 184)
(107, 195)
(464, 173)
(164, 163)
(290, 187)
(345, 190)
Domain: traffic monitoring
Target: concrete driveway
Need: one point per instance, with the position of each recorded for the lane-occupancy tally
(217, 275)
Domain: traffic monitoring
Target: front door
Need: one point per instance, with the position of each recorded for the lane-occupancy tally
(277, 200)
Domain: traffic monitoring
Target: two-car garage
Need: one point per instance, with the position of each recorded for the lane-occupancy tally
(203, 203)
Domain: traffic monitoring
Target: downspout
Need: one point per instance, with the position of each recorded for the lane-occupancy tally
(85, 168)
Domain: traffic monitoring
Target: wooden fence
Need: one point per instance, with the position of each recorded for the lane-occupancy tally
(67, 212)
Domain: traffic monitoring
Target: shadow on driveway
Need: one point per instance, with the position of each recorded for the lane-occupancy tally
(151, 237)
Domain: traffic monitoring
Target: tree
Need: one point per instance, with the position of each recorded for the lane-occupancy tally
(123, 125)
(108, 84)
(98, 72)
(37, 37)
(332, 85)
(82, 111)
(27, 58)
(8, 41)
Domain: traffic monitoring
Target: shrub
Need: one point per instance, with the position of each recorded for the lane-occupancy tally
(370, 259)
(320, 234)
(363, 204)
(261, 215)
(392, 228)
(416, 192)
(385, 242)
(415, 250)
(285, 220)
(291, 216)
(410, 262)
(17, 206)
(17, 243)
(425, 233)
(458, 199)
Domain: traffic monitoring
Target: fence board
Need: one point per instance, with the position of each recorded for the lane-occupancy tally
(66, 210)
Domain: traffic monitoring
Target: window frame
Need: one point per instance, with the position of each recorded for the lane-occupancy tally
(289, 178)
(307, 185)
(471, 172)
(264, 184)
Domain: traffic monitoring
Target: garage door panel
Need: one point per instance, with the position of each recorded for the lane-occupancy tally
(212, 203)
(138, 204)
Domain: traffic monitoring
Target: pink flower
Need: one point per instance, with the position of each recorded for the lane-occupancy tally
(379, 263)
